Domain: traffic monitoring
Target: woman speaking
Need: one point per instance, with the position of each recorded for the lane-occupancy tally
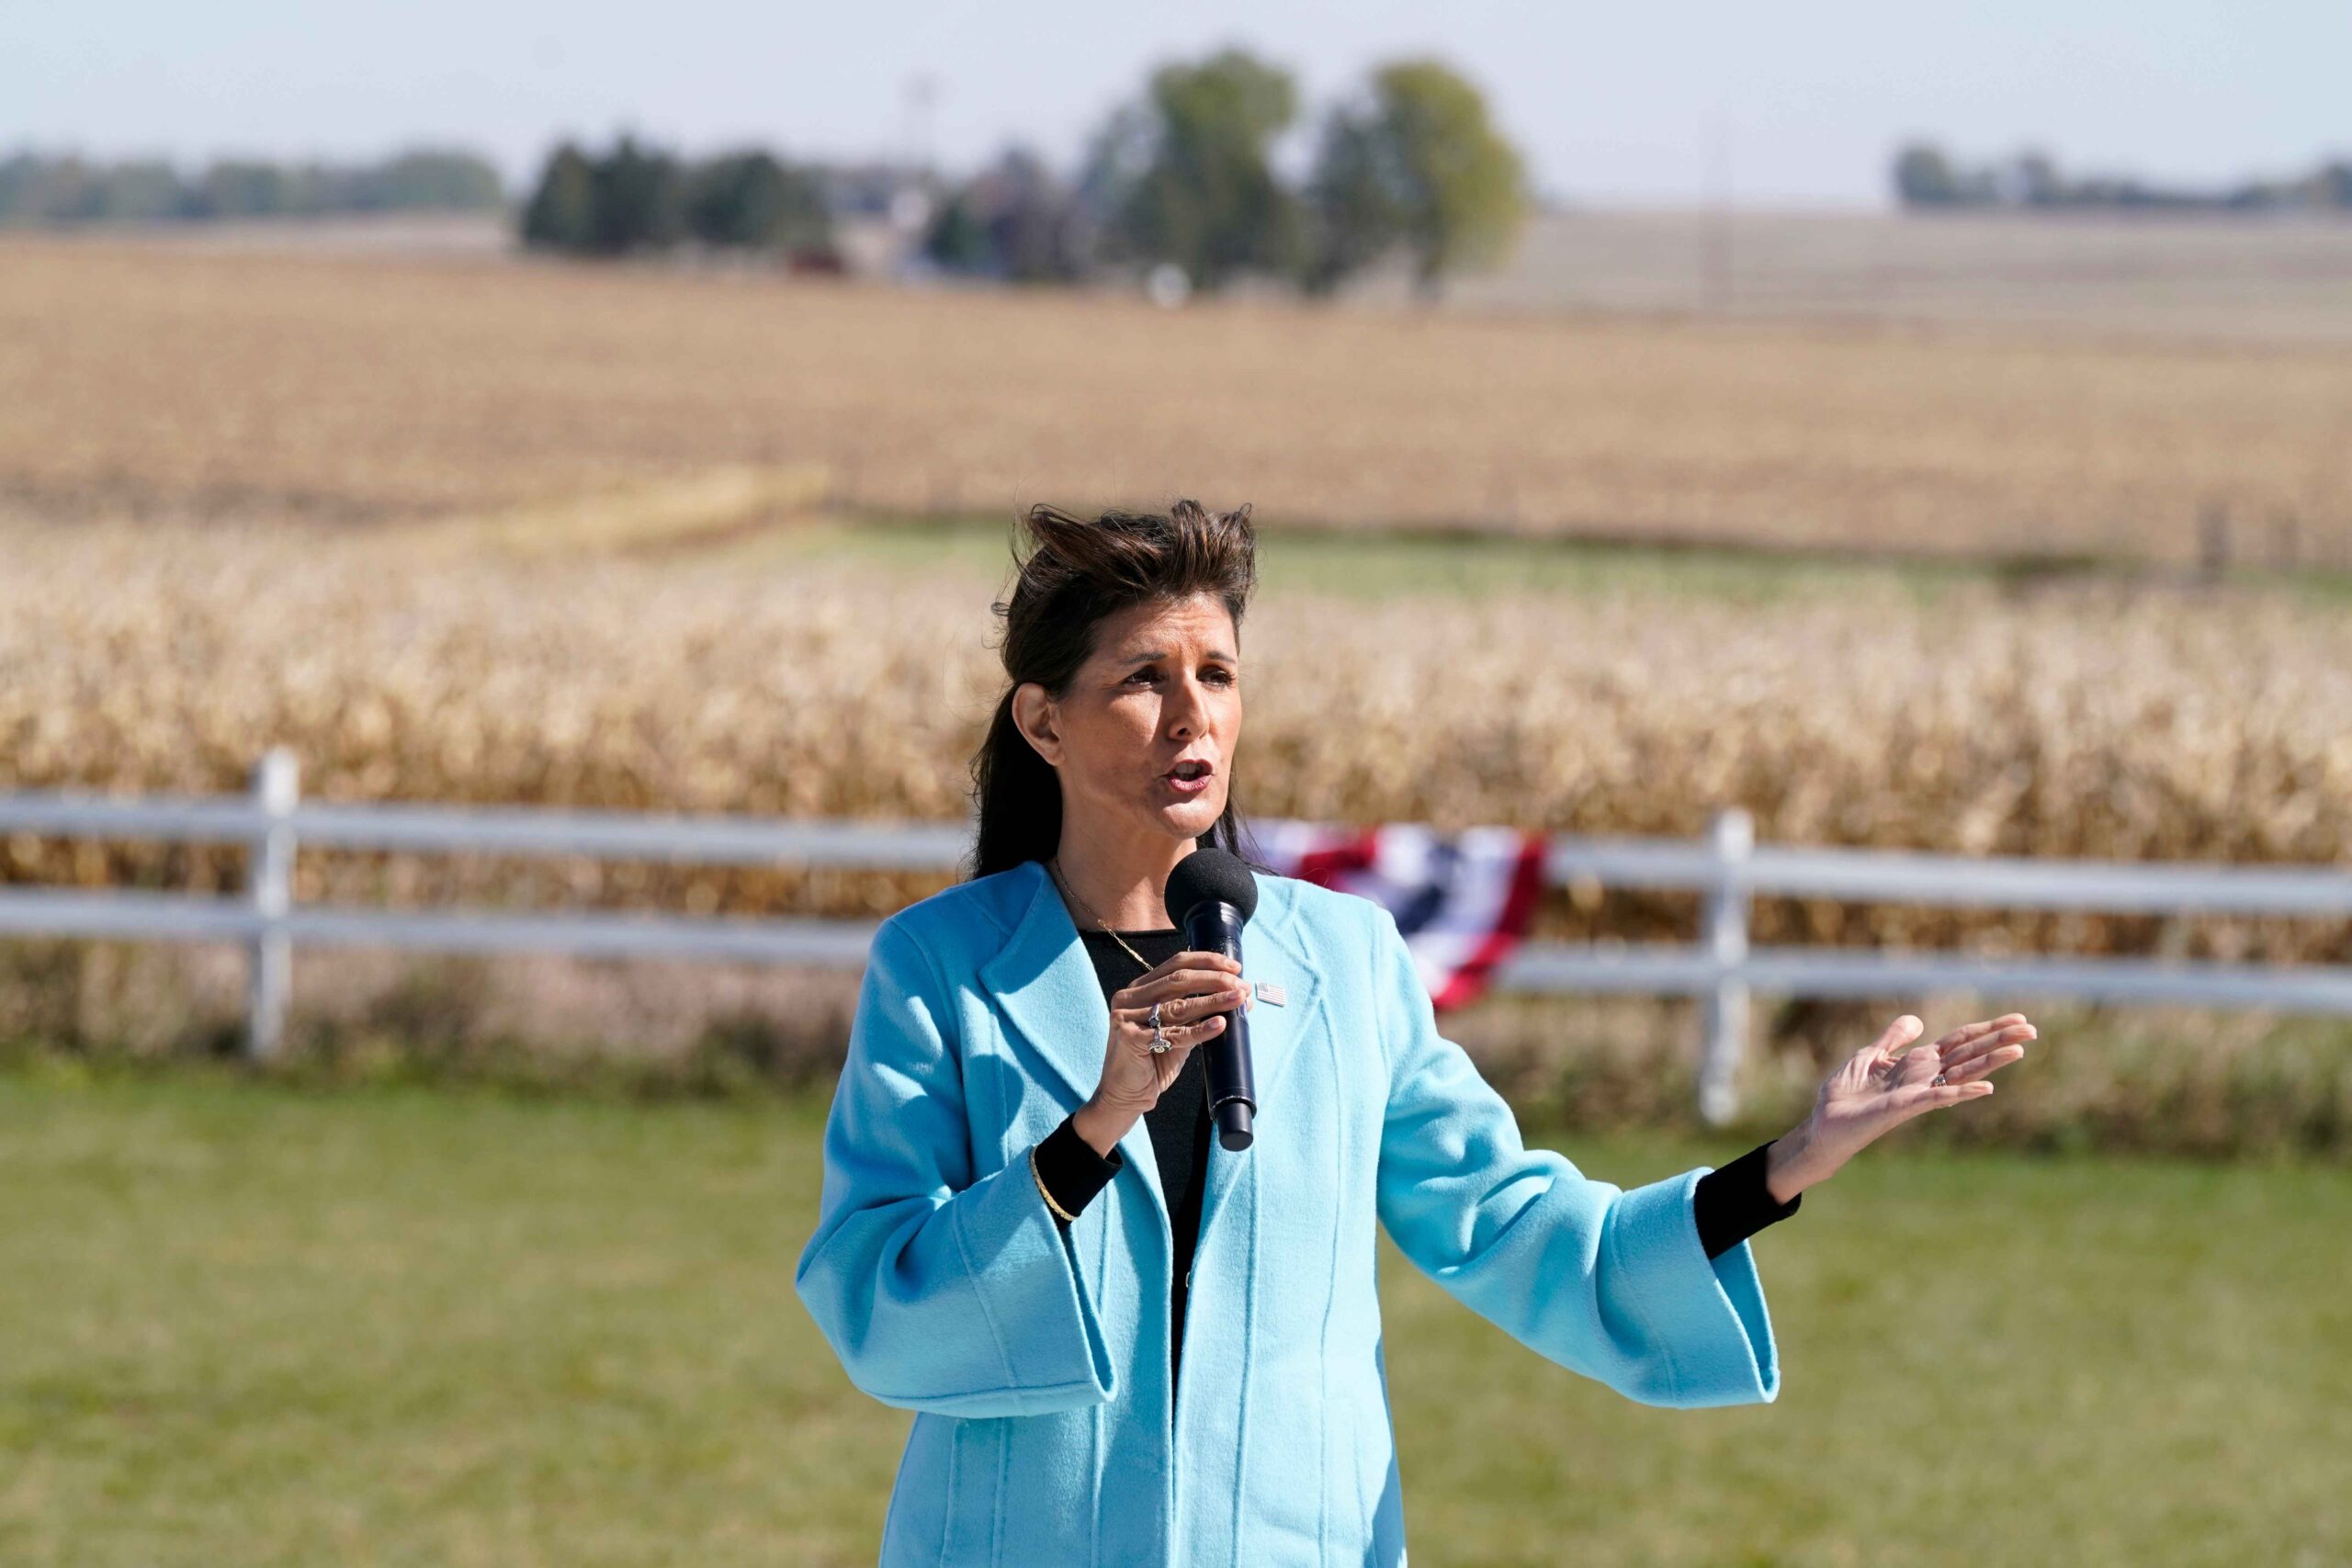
(1126, 1342)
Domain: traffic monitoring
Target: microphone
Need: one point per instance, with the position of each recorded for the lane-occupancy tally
(1211, 896)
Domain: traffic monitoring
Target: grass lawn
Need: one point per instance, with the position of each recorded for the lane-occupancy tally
(243, 1322)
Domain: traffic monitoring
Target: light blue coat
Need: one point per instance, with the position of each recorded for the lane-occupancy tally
(1039, 1361)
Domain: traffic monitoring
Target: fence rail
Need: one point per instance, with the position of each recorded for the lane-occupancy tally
(1728, 869)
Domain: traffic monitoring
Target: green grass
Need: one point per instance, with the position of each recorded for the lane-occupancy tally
(241, 1322)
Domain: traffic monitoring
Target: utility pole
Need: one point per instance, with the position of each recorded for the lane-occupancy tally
(921, 95)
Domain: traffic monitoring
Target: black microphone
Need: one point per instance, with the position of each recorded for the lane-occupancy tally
(1211, 896)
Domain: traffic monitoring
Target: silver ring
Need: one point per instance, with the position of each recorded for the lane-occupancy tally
(1939, 1077)
(1158, 1041)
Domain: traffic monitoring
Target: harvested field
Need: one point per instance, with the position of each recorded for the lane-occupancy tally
(166, 380)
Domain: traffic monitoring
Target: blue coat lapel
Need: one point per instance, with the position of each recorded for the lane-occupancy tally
(1045, 983)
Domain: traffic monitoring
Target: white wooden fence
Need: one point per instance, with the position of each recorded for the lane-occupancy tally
(1727, 869)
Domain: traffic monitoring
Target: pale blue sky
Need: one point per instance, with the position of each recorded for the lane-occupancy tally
(1622, 103)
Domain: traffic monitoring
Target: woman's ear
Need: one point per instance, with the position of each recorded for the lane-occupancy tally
(1034, 715)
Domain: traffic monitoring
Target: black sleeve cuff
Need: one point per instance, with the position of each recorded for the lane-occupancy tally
(1732, 1203)
(1070, 1168)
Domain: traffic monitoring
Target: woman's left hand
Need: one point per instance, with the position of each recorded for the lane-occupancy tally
(1883, 1086)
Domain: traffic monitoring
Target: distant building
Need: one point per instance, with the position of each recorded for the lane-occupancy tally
(880, 212)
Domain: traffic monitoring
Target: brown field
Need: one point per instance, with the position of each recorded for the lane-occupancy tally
(2230, 277)
(175, 380)
(2172, 275)
(753, 673)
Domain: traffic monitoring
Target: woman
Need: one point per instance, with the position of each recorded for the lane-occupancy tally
(1126, 1348)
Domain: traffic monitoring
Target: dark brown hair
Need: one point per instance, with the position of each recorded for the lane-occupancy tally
(1077, 571)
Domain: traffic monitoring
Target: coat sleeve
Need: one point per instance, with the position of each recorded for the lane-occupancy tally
(1611, 1283)
(938, 1291)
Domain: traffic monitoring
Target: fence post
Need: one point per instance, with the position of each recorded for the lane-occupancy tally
(270, 878)
(1724, 935)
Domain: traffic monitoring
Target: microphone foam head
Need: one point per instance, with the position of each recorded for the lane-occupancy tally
(1210, 874)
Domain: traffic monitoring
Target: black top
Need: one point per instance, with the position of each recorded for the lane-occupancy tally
(1730, 1203)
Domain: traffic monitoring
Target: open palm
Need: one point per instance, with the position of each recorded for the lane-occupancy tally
(1885, 1085)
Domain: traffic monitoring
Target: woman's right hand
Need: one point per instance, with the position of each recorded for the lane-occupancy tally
(1193, 990)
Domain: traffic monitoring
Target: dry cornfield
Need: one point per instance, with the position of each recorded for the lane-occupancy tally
(148, 378)
(2083, 720)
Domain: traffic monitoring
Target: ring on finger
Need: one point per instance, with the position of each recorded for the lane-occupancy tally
(1159, 1040)
(1940, 1078)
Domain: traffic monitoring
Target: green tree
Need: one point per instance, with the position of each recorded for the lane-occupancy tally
(639, 200)
(424, 177)
(1924, 177)
(1014, 220)
(752, 200)
(2330, 186)
(958, 240)
(141, 188)
(561, 212)
(243, 187)
(1417, 162)
(1185, 172)
(2037, 181)
(69, 188)
(1354, 199)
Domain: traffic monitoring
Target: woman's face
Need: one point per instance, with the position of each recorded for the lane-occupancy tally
(1163, 686)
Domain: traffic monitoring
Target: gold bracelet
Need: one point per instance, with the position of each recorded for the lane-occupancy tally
(1048, 1197)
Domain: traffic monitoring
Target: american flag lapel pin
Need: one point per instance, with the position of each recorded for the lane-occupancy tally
(1270, 993)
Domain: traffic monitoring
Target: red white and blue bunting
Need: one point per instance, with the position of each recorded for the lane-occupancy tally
(1462, 900)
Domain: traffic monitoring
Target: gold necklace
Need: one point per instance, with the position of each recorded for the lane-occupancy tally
(1054, 865)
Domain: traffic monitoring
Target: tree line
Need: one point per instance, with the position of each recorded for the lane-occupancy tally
(1925, 176)
(636, 199)
(66, 187)
(1180, 180)
(1181, 176)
